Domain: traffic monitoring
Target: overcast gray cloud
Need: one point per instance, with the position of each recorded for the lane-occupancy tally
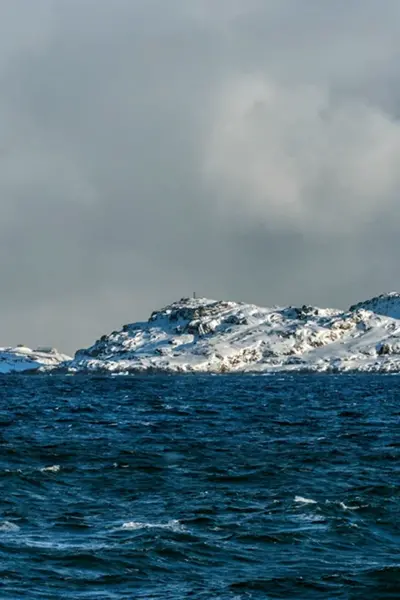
(247, 149)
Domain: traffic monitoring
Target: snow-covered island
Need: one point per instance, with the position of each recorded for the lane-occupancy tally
(22, 359)
(208, 336)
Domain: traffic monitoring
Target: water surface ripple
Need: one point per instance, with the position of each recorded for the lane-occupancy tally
(202, 487)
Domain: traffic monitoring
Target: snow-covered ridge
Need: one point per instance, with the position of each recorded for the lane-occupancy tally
(202, 335)
(387, 305)
(21, 358)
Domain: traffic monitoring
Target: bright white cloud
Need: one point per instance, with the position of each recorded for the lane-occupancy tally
(297, 157)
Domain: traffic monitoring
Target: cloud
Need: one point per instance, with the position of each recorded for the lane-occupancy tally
(296, 157)
(242, 149)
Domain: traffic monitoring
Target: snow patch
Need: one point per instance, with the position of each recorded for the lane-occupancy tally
(21, 358)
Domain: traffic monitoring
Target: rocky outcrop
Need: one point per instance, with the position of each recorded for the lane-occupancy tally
(387, 305)
(23, 359)
(202, 335)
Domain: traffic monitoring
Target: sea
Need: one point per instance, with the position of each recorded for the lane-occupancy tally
(225, 487)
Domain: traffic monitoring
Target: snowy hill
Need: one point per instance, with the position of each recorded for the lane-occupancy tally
(387, 305)
(202, 335)
(21, 358)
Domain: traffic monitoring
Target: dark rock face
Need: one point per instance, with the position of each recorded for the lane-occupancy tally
(388, 349)
(384, 349)
(236, 320)
(306, 311)
(196, 319)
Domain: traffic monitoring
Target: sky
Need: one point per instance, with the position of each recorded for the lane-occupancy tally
(247, 150)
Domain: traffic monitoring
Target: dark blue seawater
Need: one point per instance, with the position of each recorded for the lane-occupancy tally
(227, 487)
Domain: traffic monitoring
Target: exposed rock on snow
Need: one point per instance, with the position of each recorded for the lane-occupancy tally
(201, 335)
(387, 305)
(21, 358)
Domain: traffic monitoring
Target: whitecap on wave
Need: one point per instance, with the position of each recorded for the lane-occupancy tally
(8, 526)
(173, 525)
(52, 469)
(304, 500)
(345, 507)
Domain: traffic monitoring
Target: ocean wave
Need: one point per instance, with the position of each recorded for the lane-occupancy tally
(51, 469)
(302, 500)
(173, 525)
(8, 526)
